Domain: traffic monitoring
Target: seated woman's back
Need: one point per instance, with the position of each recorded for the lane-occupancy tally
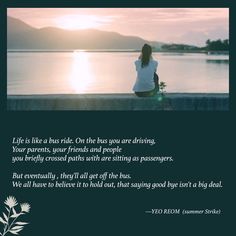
(146, 83)
(144, 80)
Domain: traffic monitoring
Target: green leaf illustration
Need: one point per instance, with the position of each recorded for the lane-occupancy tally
(13, 232)
(5, 216)
(2, 220)
(17, 227)
(21, 223)
(16, 215)
(8, 210)
(14, 211)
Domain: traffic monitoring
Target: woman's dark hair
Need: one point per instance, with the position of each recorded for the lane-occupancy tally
(146, 54)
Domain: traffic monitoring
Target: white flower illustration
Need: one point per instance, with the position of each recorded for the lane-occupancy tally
(11, 201)
(9, 219)
(25, 207)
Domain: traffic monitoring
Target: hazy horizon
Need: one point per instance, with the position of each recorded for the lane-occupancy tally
(180, 25)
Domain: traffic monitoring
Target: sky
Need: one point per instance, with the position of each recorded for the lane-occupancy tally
(171, 25)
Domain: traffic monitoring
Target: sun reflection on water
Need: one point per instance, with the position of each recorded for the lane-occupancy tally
(81, 75)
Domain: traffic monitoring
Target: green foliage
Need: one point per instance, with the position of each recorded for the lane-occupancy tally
(217, 45)
(162, 86)
(180, 47)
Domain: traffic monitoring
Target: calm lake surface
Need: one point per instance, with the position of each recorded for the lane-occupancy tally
(111, 72)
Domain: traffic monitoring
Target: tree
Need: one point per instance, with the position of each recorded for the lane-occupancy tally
(217, 45)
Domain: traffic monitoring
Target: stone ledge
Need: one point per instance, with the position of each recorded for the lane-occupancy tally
(120, 102)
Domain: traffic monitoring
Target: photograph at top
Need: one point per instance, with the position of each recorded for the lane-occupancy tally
(118, 58)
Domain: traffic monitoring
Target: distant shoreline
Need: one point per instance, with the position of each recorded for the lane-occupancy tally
(70, 50)
(114, 50)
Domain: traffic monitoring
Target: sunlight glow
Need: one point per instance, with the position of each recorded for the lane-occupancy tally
(81, 75)
(78, 22)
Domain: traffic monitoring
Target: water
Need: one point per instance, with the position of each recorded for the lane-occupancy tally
(111, 72)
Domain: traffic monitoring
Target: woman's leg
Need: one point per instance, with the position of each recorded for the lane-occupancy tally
(156, 81)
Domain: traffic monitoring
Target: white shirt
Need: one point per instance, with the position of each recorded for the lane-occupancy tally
(144, 81)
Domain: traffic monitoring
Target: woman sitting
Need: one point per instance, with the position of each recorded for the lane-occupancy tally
(147, 81)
